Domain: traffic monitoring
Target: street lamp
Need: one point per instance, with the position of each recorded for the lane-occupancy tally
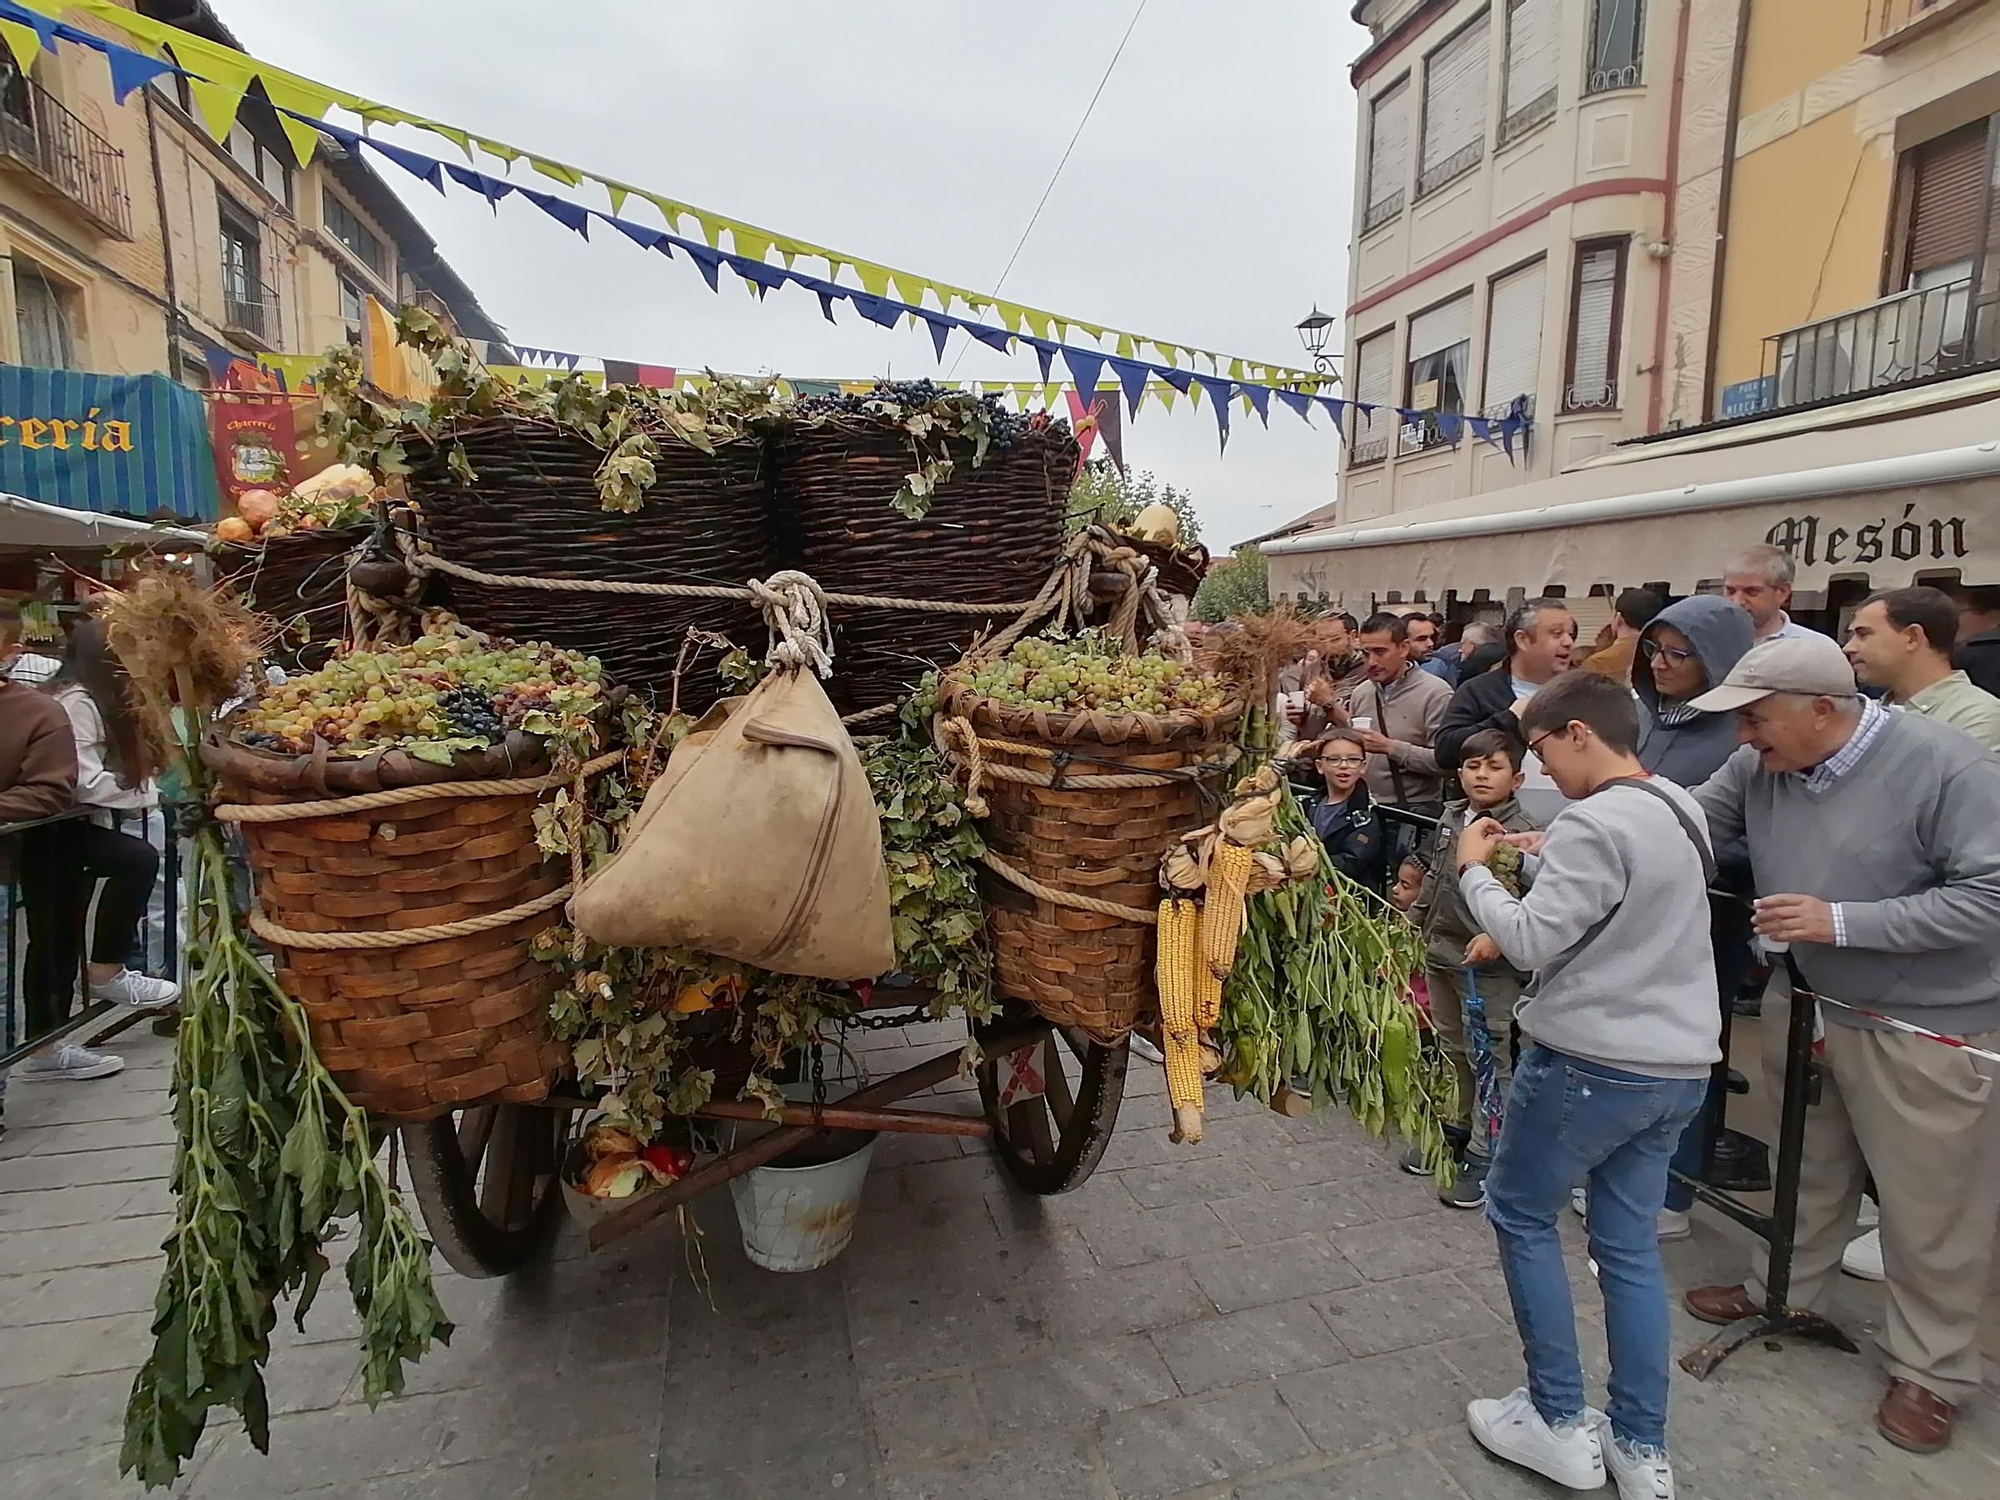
(1313, 331)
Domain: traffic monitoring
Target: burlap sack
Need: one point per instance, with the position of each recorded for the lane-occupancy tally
(758, 842)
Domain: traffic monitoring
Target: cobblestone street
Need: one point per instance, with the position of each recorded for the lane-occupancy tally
(1275, 1314)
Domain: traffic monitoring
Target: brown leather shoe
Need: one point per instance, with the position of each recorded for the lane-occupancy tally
(1721, 1304)
(1914, 1418)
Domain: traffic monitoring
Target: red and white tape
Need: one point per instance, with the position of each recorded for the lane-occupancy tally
(1895, 1025)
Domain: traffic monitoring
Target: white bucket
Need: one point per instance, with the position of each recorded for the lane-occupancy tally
(800, 1218)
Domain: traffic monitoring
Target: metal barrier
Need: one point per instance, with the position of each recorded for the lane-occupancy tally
(1778, 1228)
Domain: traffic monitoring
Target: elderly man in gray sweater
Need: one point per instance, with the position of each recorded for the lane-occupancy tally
(1875, 839)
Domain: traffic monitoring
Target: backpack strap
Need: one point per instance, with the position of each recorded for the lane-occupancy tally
(1695, 835)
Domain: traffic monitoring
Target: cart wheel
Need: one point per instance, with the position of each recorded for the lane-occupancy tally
(488, 1182)
(1051, 1142)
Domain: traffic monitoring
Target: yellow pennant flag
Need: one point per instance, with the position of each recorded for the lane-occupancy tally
(616, 192)
(500, 149)
(910, 289)
(749, 243)
(1164, 394)
(451, 133)
(1051, 394)
(225, 76)
(555, 171)
(1125, 347)
(23, 42)
(288, 95)
(1194, 396)
(874, 278)
(1169, 353)
(1023, 394)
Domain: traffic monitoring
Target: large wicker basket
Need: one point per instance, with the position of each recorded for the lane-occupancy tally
(533, 509)
(414, 1030)
(1087, 969)
(300, 580)
(988, 538)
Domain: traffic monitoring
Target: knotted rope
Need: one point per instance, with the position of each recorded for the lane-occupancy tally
(795, 613)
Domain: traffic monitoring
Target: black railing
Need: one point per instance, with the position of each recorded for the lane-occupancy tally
(248, 306)
(65, 153)
(1528, 116)
(1377, 214)
(1899, 340)
(1451, 168)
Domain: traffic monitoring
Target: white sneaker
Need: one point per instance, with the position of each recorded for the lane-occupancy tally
(1579, 1202)
(68, 1061)
(1143, 1048)
(1640, 1474)
(140, 991)
(1863, 1257)
(1512, 1429)
(1870, 1215)
(1675, 1224)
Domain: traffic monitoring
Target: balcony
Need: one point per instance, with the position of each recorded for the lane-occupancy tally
(66, 154)
(249, 308)
(1893, 23)
(1590, 395)
(1900, 340)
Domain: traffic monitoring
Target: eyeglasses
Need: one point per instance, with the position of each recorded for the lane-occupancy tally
(1674, 654)
(1343, 760)
(1535, 744)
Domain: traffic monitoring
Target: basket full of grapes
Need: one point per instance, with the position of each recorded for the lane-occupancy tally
(1073, 714)
(413, 1020)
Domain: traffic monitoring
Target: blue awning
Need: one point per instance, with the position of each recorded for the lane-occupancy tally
(129, 445)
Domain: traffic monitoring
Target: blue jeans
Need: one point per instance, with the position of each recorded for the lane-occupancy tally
(1568, 1121)
(1733, 959)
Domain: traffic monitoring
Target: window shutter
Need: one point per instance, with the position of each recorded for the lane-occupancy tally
(1440, 328)
(1372, 381)
(1514, 335)
(1388, 147)
(1592, 333)
(1454, 100)
(1944, 218)
(1534, 46)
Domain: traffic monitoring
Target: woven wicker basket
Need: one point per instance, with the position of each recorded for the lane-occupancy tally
(298, 577)
(1082, 968)
(412, 1031)
(989, 536)
(533, 509)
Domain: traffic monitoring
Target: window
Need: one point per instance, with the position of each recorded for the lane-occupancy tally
(1514, 337)
(1597, 306)
(1617, 45)
(1946, 178)
(1454, 109)
(346, 226)
(1439, 372)
(42, 317)
(353, 305)
(1388, 155)
(1534, 43)
(1372, 386)
(242, 268)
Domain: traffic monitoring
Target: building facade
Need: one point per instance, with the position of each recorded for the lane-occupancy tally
(1807, 336)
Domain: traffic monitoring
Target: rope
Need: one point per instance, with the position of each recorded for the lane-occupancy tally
(982, 771)
(706, 590)
(1070, 899)
(795, 612)
(285, 812)
(286, 937)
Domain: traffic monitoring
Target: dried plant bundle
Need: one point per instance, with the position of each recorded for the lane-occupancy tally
(1252, 654)
(166, 628)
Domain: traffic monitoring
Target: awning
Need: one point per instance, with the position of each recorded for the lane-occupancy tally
(30, 526)
(134, 445)
(1886, 503)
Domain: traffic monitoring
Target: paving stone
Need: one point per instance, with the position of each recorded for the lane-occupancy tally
(907, 1150)
(612, 1336)
(57, 1416)
(1157, 1234)
(1044, 1468)
(1483, 1477)
(1286, 1213)
(86, 1292)
(1067, 1387)
(44, 1104)
(1408, 1475)
(78, 1205)
(1374, 1401)
(106, 1242)
(1227, 1351)
(312, 1377)
(102, 1135)
(906, 1332)
(1312, 1162)
(1183, 1182)
(1229, 1435)
(1388, 1249)
(811, 1394)
(925, 1419)
(1387, 1315)
(1275, 1272)
(68, 1169)
(350, 1442)
(91, 1474)
(1112, 1302)
(952, 1177)
(527, 1416)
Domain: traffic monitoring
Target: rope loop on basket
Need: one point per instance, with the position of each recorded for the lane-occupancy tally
(1071, 899)
(794, 608)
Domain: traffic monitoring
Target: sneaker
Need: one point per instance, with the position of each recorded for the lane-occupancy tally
(1468, 1189)
(1675, 1224)
(1579, 1202)
(1863, 1257)
(1143, 1048)
(1868, 1218)
(69, 1061)
(140, 991)
(1641, 1473)
(1512, 1429)
(1412, 1161)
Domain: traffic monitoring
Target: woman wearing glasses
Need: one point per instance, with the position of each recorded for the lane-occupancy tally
(1344, 817)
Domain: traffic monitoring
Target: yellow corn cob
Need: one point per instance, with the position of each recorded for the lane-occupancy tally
(1222, 915)
(1175, 964)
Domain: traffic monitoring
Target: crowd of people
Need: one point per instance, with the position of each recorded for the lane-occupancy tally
(1712, 792)
(79, 785)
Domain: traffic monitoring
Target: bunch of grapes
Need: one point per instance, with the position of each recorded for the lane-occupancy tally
(1090, 673)
(916, 395)
(438, 687)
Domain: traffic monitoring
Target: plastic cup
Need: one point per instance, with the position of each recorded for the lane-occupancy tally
(1362, 721)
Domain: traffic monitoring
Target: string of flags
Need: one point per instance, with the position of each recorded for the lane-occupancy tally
(228, 75)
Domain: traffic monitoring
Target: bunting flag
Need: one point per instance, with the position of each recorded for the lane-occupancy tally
(219, 78)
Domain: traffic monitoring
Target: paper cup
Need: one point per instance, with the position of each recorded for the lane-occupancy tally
(1362, 721)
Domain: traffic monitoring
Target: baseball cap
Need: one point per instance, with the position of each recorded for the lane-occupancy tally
(1812, 664)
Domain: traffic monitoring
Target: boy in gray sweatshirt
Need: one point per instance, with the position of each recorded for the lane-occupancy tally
(1624, 1026)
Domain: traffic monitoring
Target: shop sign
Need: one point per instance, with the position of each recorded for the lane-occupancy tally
(1816, 541)
(135, 445)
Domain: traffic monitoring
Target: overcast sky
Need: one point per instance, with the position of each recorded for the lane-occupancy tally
(1207, 201)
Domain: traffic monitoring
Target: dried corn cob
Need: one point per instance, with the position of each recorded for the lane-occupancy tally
(1175, 966)
(1222, 914)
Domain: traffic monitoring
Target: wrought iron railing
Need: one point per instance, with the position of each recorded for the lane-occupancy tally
(1451, 168)
(1590, 395)
(36, 131)
(1375, 215)
(248, 306)
(1911, 336)
(1528, 116)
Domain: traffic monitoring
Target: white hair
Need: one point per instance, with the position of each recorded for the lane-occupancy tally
(1773, 564)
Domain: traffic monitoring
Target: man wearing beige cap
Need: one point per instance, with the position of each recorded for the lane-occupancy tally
(1874, 837)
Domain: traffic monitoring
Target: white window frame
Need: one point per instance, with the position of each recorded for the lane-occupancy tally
(1440, 164)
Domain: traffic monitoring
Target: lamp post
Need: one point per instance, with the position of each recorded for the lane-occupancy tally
(1314, 330)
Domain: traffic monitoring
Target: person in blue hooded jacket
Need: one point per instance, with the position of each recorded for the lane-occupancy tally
(1687, 649)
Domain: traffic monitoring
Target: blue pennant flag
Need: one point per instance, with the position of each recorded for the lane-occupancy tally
(1300, 402)
(1365, 408)
(45, 27)
(1044, 351)
(940, 328)
(826, 291)
(878, 310)
(1217, 392)
(427, 168)
(569, 215)
(1260, 401)
(131, 70)
(639, 234)
(1481, 428)
(765, 278)
(1513, 425)
(1180, 380)
(997, 339)
(1084, 367)
(492, 189)
(1132, 376)
(710, 261)
(1450, 425)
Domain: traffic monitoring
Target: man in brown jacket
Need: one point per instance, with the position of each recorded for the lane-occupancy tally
(1396, 710)
(37, 751)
